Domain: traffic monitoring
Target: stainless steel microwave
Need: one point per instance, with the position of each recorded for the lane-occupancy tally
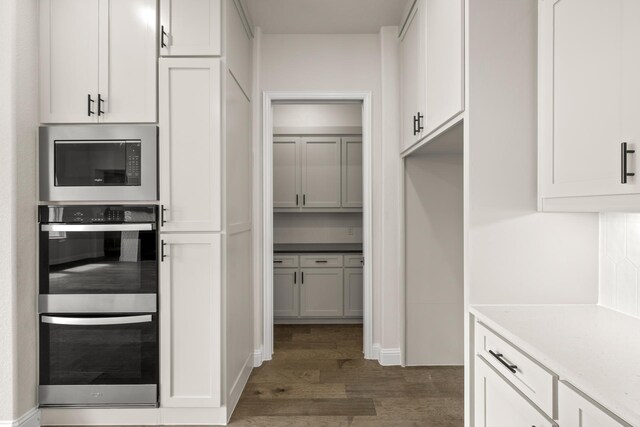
(98, 163)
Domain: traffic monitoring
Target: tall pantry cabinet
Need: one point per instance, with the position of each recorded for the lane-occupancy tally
(205, 193)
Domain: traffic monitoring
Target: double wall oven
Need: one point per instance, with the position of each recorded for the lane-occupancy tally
(98, 269)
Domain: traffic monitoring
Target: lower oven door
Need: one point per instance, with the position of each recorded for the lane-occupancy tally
(98, 360)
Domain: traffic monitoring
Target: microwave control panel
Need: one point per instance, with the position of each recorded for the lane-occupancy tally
(133, 163)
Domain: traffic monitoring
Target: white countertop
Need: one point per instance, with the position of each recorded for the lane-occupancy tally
(594, 348)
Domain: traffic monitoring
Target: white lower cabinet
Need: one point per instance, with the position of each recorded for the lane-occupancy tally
(499, 404)
(576, 410)
(321, 292)
(353, 295)
(286, 292)
(190, 321)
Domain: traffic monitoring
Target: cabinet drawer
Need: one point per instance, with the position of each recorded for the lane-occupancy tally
(285, 261)
(527, 375)
(353, 260)
(576, 410)
(323, 260)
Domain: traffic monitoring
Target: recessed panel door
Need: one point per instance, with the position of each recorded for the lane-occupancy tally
(286, 292)
(321, 292)
(321, 181)
(286, 172)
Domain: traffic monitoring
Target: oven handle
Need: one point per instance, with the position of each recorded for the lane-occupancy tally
(98, 227)
(122, 320)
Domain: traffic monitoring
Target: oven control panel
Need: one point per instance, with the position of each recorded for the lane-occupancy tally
(97, 214)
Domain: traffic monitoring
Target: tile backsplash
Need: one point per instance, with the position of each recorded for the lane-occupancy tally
(620, 262)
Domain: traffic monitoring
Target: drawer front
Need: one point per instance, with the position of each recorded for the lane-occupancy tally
(322, 260)
(576, 410)
(285, 261)
(528, 376)
(353, 260)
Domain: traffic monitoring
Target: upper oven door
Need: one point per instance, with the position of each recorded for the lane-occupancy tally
(98, 163)
(94, 259)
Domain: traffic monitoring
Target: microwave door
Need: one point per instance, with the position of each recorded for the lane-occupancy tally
(90, 163)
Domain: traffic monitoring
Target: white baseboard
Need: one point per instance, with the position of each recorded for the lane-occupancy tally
(257, 357)
(239, 384)
(386, 356)
(30, 419)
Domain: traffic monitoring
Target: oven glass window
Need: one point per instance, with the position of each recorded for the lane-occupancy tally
(86, 164)
(97, 352)
(99, 262)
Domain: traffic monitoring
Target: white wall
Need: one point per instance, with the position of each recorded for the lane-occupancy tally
(516, 255)
(311, 227)
(620, 262)
(320, 115)
(18, 126)
(348, 62)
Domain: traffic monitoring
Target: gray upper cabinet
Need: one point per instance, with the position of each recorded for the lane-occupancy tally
(319, 173)
(190, 28)
(286, 172)
(352, 172)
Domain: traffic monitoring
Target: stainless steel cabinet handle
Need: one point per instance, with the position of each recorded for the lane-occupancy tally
(623, 160)
(97, 321)
(98, 227)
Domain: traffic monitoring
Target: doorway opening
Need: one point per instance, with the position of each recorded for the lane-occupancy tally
(317, 227)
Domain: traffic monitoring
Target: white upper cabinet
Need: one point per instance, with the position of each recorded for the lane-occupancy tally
(445, 53)
(286, 172)
(128, 54)
(352, 172)
(432, 69)
(412, 51)
(589, 51)
(97, 61)
(190, 152)
(69, 60)
(190, 28)
(321, 172)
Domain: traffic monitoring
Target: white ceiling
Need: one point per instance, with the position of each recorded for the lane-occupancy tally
(325, 16)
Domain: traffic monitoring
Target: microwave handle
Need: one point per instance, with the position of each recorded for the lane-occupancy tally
(97, 321)
(98, 227)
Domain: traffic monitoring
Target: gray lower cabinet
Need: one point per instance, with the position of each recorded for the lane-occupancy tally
(286, 292)
(317, 286)
(353, 292)
(321, 292)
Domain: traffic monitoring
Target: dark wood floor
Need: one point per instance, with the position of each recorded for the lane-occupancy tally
(318, 377)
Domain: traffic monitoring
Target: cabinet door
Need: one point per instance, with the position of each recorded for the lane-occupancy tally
(444, 61)
(190, 374)
(352, 172)
(575, 410)
(588, 96)
(498, 404)
(69, 60)
(286, 172)
(412, 76)
(321, 292)
(321, 172)
(190, 182)
(353, 295)
(190, 28)
(128, 61)
(286, 293)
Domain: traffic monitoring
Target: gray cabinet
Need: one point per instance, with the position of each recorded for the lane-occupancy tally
(321, 292)
(286, 292)
(317, 286)
(353, 296)
(317, 174)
